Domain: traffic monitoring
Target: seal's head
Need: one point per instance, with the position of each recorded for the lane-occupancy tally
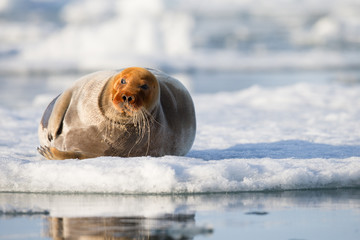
(134, 89)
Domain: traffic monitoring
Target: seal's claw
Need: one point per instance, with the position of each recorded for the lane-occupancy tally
(40, 150)
(45, 152)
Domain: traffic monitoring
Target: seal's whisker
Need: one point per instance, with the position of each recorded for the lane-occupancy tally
(142, 123)
(137, 122)
(152, 117)
(149, 132)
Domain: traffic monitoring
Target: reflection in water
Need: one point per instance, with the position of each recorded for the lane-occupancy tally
(95, 216)
(178, 226)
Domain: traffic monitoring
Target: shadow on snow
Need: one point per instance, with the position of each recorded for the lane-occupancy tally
(278, 150)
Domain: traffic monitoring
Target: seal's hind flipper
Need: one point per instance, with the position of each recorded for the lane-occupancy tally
(53, 153)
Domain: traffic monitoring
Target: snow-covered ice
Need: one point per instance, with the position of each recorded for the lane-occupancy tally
(302, 136)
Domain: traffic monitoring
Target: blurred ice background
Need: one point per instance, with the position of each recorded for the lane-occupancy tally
(40, 36)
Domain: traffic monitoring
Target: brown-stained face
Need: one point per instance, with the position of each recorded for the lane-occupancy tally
(134, 88)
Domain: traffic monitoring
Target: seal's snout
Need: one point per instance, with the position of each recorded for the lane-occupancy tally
(126, 102)
(128, 98)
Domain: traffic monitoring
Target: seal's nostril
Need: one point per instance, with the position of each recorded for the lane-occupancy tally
(129, 99)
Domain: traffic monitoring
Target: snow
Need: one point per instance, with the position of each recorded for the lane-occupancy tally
(302, 136)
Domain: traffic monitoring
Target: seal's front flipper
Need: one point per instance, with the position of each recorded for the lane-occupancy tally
(52, 120)
(52, 153)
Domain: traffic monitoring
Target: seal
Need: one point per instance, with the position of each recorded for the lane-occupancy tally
(127, 113)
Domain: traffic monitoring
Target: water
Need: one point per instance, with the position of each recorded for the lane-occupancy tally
(321, 214)
(277, 150)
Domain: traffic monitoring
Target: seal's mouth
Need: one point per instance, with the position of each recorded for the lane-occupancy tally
(126, 110)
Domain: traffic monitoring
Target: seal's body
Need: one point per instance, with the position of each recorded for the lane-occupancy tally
(134, 112)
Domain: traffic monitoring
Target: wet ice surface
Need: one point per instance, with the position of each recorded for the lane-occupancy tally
(321, 214)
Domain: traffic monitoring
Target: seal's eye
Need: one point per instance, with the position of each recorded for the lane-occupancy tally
(145, 86)
(123, 81)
